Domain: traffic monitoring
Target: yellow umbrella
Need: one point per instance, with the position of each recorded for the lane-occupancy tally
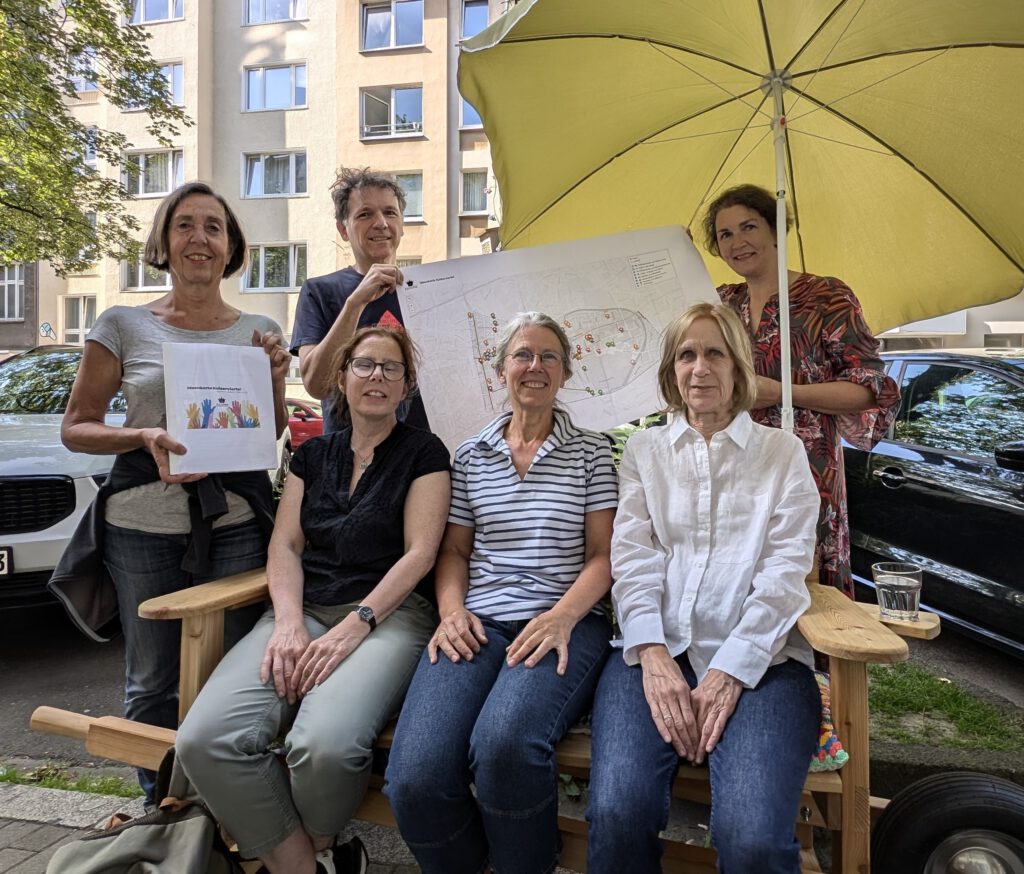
(903, 163)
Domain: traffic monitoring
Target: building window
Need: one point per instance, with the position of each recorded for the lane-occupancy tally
(392, 25)
(139, 276)
(260, 11)
(474, 17)
(174, 75)
(88, 253)
(151, 173)
(89, 147)
(150, 11)
(79, 315)
(474, 191)
(12, 292)
(281, 87)
(470, 117)
(412, 185)
(83, 71)
(410, 261)
(274, 268)
(275, 175)
(389, 112)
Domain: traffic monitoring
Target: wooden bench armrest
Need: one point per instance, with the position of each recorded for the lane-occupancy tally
(240, 590)
(836, 626)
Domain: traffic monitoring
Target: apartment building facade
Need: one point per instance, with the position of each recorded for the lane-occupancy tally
(282, 93)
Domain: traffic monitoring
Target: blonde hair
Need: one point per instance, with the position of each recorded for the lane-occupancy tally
(737, 342)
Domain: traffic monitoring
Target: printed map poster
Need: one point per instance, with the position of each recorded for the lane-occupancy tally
(613, 295)
(220, 404)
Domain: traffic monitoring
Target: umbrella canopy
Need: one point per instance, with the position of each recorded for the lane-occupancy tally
(904, 160)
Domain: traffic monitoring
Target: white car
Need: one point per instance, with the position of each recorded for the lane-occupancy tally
(44, 487)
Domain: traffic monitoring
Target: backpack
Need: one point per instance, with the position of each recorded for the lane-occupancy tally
(180, 837)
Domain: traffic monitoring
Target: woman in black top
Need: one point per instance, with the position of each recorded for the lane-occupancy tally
(359, 524)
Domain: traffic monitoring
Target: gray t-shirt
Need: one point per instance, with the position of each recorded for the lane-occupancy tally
(136, 337)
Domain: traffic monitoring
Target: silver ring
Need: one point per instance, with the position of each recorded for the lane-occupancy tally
(666, 718)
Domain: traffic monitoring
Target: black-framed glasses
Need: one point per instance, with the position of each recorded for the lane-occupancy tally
(364, 368)
(525, 357)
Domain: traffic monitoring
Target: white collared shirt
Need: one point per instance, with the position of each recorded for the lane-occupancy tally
(712, 546)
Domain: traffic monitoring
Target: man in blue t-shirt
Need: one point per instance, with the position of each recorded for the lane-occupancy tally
(368, 207)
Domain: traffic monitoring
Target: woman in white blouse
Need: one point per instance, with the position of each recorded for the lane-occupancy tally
(713, 540)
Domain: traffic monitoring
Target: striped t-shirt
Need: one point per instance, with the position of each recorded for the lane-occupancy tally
(528, 543)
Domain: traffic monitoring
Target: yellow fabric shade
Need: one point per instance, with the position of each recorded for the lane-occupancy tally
(905, 123)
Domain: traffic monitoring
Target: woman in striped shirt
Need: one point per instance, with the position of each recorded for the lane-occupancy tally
(514, 661)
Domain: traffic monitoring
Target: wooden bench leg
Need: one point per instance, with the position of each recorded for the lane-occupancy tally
(202, 646)
(850, 714)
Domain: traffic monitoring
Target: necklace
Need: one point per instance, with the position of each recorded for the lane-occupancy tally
(363, 462)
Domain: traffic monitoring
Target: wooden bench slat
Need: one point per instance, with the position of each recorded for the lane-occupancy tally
(836, 626)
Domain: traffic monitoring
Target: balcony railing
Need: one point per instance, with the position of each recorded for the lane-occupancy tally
(399, 128)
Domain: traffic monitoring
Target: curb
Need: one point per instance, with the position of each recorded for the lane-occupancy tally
(62, 807)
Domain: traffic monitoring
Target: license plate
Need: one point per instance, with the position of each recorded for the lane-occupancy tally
(6, 561)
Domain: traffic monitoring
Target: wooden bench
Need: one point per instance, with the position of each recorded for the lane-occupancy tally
(840, 801)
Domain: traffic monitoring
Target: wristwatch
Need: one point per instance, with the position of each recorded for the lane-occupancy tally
(366, 614)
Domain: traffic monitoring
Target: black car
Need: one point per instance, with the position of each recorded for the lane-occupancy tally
(945, 489)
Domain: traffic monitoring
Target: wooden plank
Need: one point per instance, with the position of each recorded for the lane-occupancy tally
(927, 626)
(134, 743)
(202, 647)
(52, 720)
(836, 626)
(239, 590)
(849, 712)
(809, 862)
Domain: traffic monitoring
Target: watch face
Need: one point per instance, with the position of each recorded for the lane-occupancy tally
(366, 614)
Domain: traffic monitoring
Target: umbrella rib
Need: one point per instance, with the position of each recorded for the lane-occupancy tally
(896, 153)
(917, 50)
(767, 40)
(819, 29)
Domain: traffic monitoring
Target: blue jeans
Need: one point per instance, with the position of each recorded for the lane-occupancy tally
(481, 722)
(757, 770)
(143, 566)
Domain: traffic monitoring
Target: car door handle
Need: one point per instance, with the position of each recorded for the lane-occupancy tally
(891, 477)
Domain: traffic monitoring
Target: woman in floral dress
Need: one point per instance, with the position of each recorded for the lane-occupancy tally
(840, 389)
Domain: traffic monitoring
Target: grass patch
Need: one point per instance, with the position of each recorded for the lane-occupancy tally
(54, 777)
(912, 706)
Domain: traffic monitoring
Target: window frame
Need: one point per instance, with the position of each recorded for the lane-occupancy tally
(292, 173)
(293, 263)
(411, 217)
(294, 6)
(463, 211)
(474, 3)
(290, 65)
(144, 22)
(17, 280)
(83, 318)
(176, 171)
(392, 133)
(84, 80)
(169, 78)
(393, 29)
(141, 268)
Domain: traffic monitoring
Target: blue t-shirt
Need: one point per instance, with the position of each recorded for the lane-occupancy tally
(319, 306)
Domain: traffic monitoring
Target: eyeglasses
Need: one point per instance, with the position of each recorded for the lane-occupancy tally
(365, 367)
(525, 358)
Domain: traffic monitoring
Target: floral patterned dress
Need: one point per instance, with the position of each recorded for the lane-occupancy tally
(830, 342)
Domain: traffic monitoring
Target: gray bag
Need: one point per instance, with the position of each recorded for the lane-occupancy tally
(167, 841)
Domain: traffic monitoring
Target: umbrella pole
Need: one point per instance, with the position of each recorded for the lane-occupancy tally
(779, 137)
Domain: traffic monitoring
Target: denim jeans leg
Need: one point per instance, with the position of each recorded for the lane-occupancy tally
(144, 566)
(235, 549)
(631, 774)
(758, 771)
(428, 778)
(512, 749)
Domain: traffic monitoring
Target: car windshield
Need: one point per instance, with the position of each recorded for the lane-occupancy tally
(40, 382)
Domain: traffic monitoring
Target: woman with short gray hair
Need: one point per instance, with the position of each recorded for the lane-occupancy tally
(513, 662)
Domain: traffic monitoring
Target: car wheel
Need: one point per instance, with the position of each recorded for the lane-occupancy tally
(957, 823)
(282, 470)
